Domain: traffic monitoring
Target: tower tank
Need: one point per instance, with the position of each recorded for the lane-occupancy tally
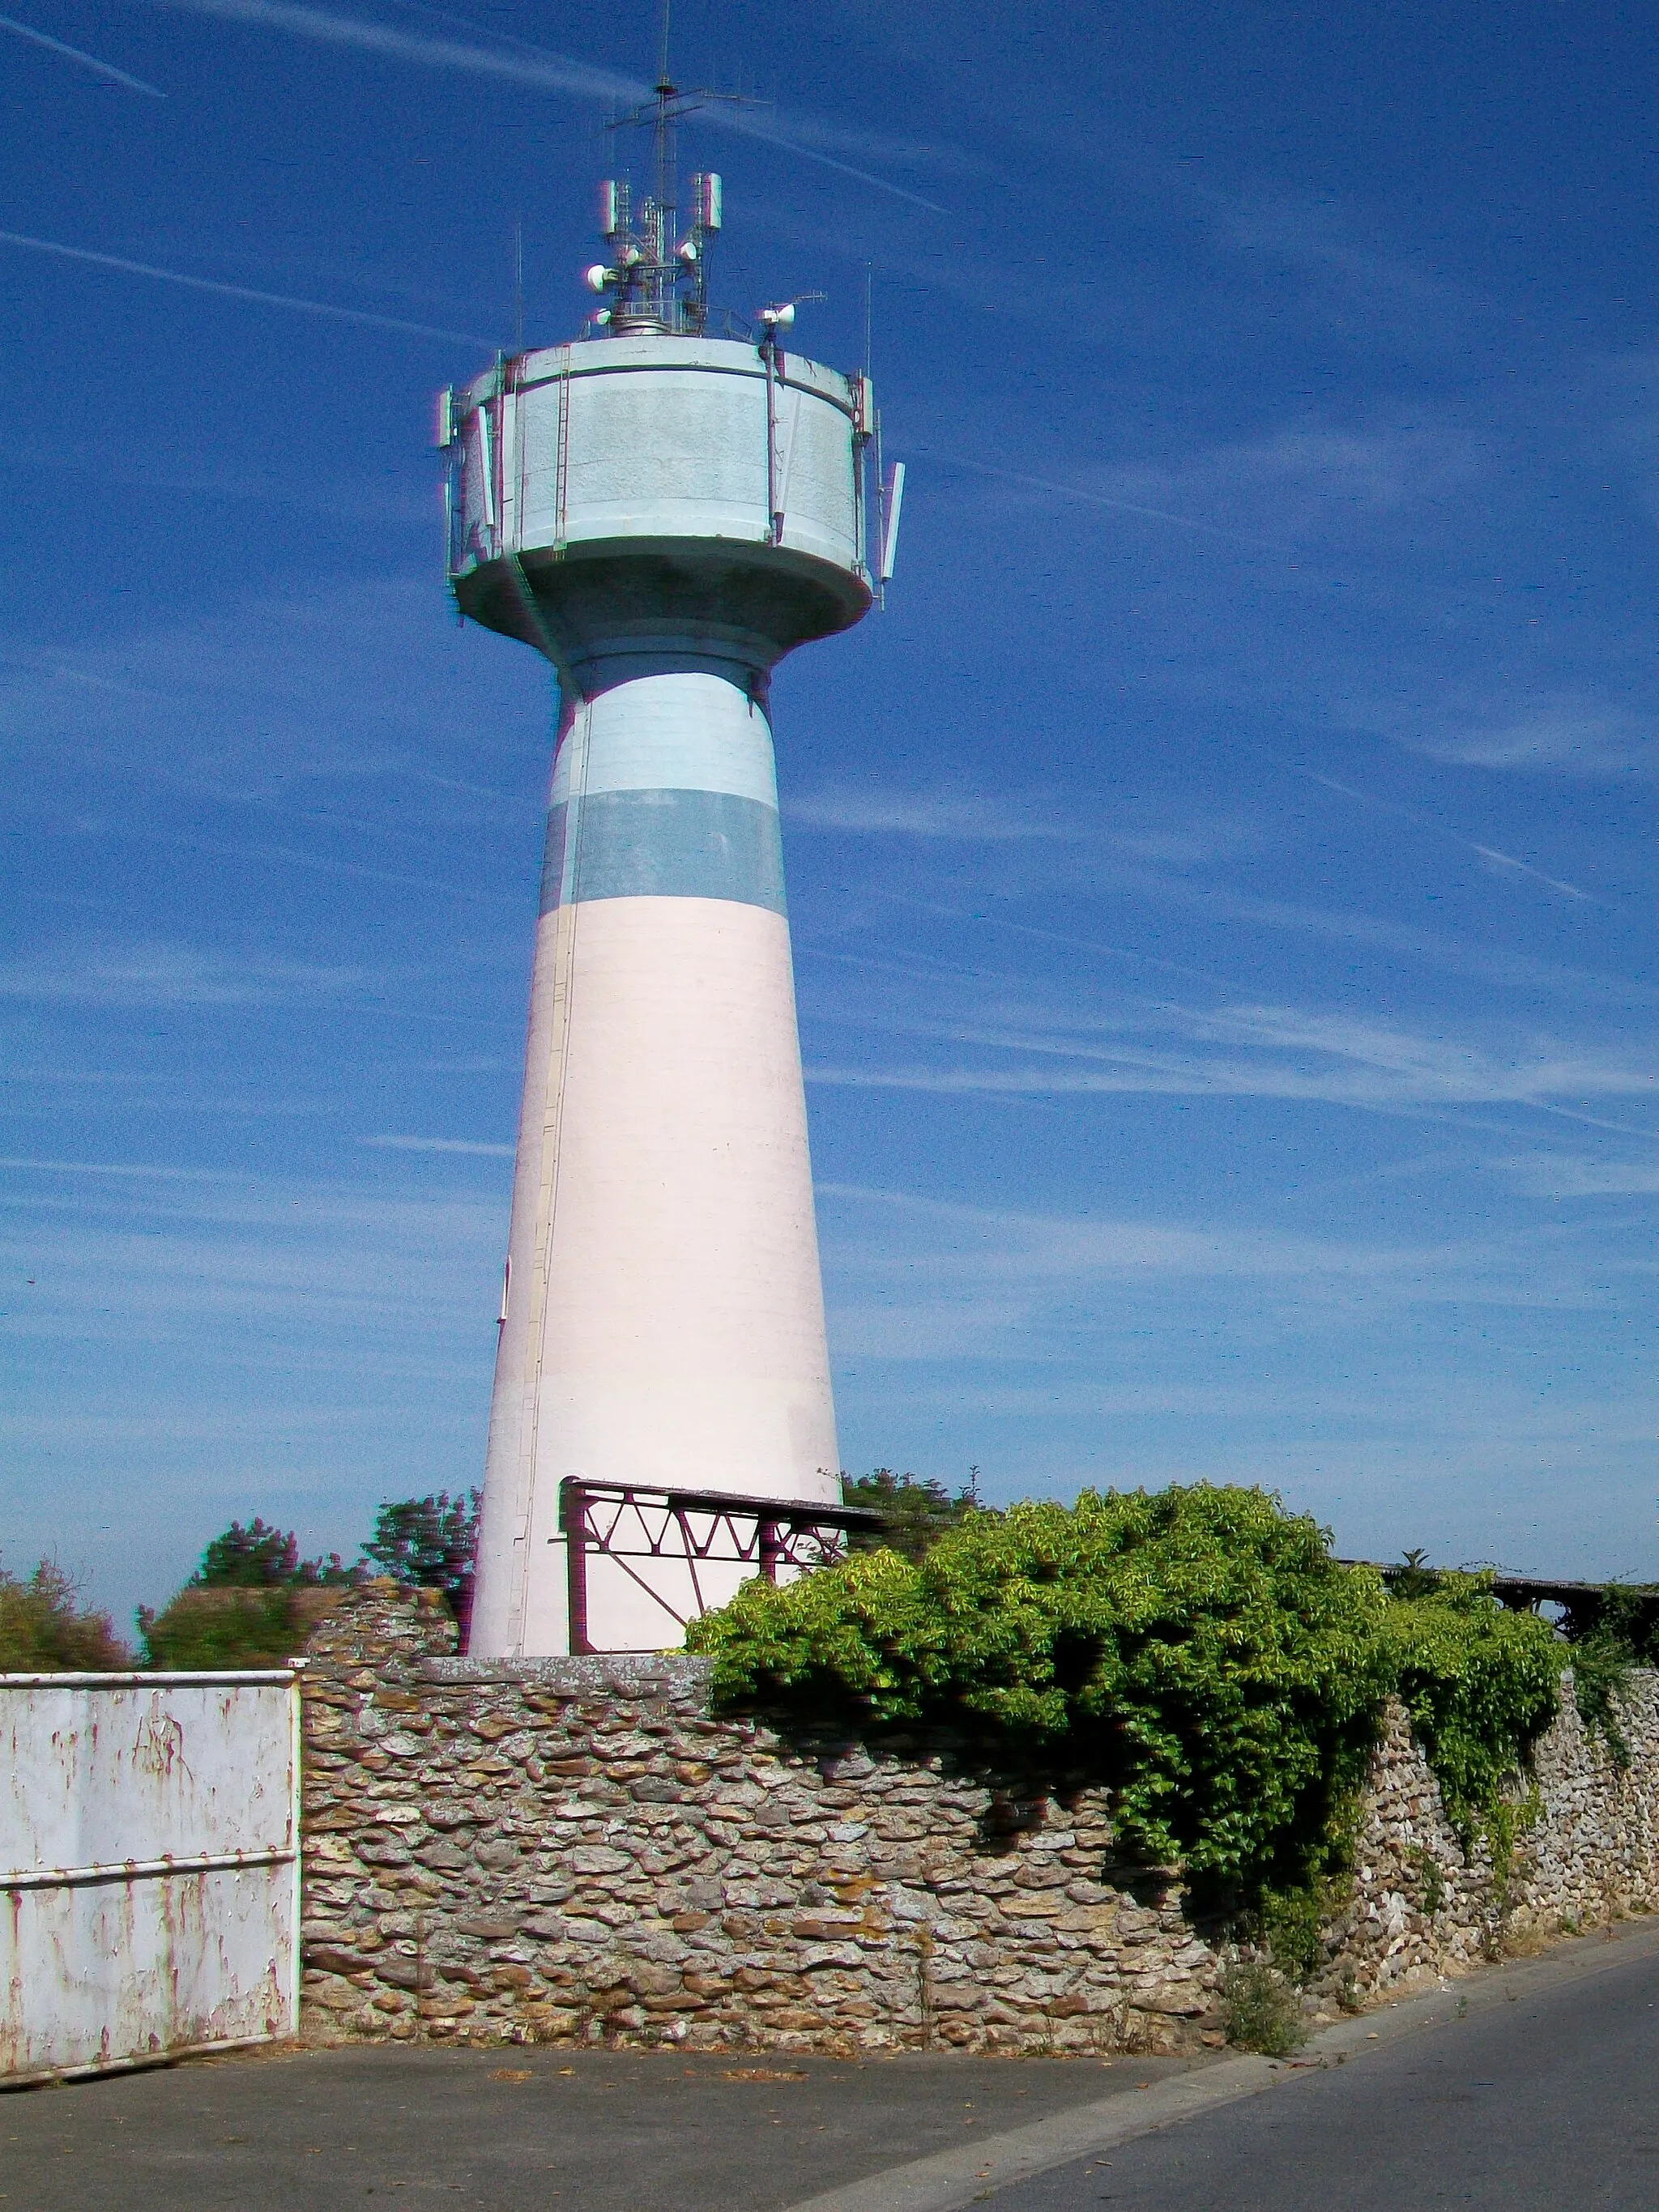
(664, 513)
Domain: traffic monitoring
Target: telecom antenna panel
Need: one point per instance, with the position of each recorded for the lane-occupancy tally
(664, 513)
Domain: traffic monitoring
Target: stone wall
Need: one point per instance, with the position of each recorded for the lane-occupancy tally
(1587, 1852)
(576, 1849)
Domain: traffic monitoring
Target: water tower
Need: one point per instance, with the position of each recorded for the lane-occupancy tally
(664, 513)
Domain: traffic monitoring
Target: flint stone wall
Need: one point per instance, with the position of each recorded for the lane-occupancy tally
(1588, 1853)
(577, 1851)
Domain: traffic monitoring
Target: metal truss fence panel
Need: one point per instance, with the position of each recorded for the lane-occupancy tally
(149, 1867)
(661, 1539)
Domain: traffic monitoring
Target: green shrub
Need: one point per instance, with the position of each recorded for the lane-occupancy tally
(1480, 1683)
(230, 1626)
(1602, 1662)
(43, 1629)
(1622, 1635)
(260, 1556)
(1260, 2010)
(429, 1543)
(1197, 1650)
(1290, 1924)
(251, 1603)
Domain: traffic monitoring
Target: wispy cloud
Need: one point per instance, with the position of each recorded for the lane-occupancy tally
(1022, 1246)
(537, 67)
(1563, 734)
(1563, 1176)
(157, 974)
(278, 693)
(1361, 282)
(1307, 477)
(548, 72)
(1090, 495)
(23, 1165)
(326, 310)
(104, 70)
(1118, 866)
(300, 1348)
(947, 815)
(972, 817)
(1269, 224)
(439, 1145)
(1504, 863)
(1434, 949)
(923, 1279)
(1251, 1052)
(1282, 493)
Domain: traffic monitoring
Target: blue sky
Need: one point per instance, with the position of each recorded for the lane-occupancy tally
(1223, 914)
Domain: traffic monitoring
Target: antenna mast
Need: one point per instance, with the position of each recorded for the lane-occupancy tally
(657, 278)
(667, 150)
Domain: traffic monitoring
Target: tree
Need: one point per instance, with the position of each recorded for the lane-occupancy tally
(429, 1543)
(914, 1514)
(43, 1629)
(252, 1602)
(260, 1556)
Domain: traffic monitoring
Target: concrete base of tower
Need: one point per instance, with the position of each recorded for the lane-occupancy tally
(665, 1320)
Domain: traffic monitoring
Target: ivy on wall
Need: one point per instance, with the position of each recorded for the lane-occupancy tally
(1481, 1684)
(1197, 1650)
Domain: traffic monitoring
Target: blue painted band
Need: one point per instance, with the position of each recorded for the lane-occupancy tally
(663, 844)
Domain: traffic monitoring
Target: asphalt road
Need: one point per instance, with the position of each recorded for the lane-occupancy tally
(514, 2131)
(1543, 2099)
(1530, 2087)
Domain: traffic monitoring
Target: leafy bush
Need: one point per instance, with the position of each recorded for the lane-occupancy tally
(1480, 1683)
(260, 1556)
(230, 1626)
(1622, 1634)
(914, 1514)
(1198, 1650)
(43, 1630)
(1289, 1924)
(1602, 1662)
(1260, 2009)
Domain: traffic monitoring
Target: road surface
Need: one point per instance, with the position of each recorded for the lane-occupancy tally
(1530, 2087)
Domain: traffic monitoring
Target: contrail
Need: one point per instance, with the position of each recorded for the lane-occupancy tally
(87, 61)
(554, 72)
(735, 120)
(239, 291)
(1120, 505)
(720, 116)
(1486, 853)
(538, 67)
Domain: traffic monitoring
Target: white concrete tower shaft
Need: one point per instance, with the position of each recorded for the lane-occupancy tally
(665, 516)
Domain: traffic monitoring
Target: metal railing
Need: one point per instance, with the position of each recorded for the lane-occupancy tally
(1583, 1604)
(633, 1524)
